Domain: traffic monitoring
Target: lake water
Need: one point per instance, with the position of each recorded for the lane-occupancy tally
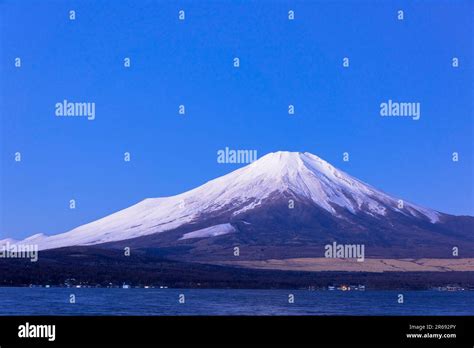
(98, 301)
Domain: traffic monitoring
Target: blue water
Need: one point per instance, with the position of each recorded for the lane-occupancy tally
(97, 301)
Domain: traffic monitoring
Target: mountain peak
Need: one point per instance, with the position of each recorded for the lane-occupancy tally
(289, 167)
(305, 176)
(277, 175)
(287, 161)
(287, 156)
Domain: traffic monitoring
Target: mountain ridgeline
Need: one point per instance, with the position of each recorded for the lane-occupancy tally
(284, 205)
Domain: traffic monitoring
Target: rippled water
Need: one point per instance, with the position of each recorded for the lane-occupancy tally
(97, 301)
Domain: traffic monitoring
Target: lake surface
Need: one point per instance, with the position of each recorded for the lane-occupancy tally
(100, 301)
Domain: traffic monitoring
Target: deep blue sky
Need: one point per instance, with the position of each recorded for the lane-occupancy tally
(190, 62)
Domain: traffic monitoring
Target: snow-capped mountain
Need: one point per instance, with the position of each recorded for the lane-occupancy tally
(224, 206)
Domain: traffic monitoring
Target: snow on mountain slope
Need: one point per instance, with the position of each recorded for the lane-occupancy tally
(7, 241)
(213, 231)
(301, 174)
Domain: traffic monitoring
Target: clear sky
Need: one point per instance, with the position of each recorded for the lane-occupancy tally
(174, 62)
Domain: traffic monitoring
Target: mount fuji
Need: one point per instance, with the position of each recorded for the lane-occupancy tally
(285, 204)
